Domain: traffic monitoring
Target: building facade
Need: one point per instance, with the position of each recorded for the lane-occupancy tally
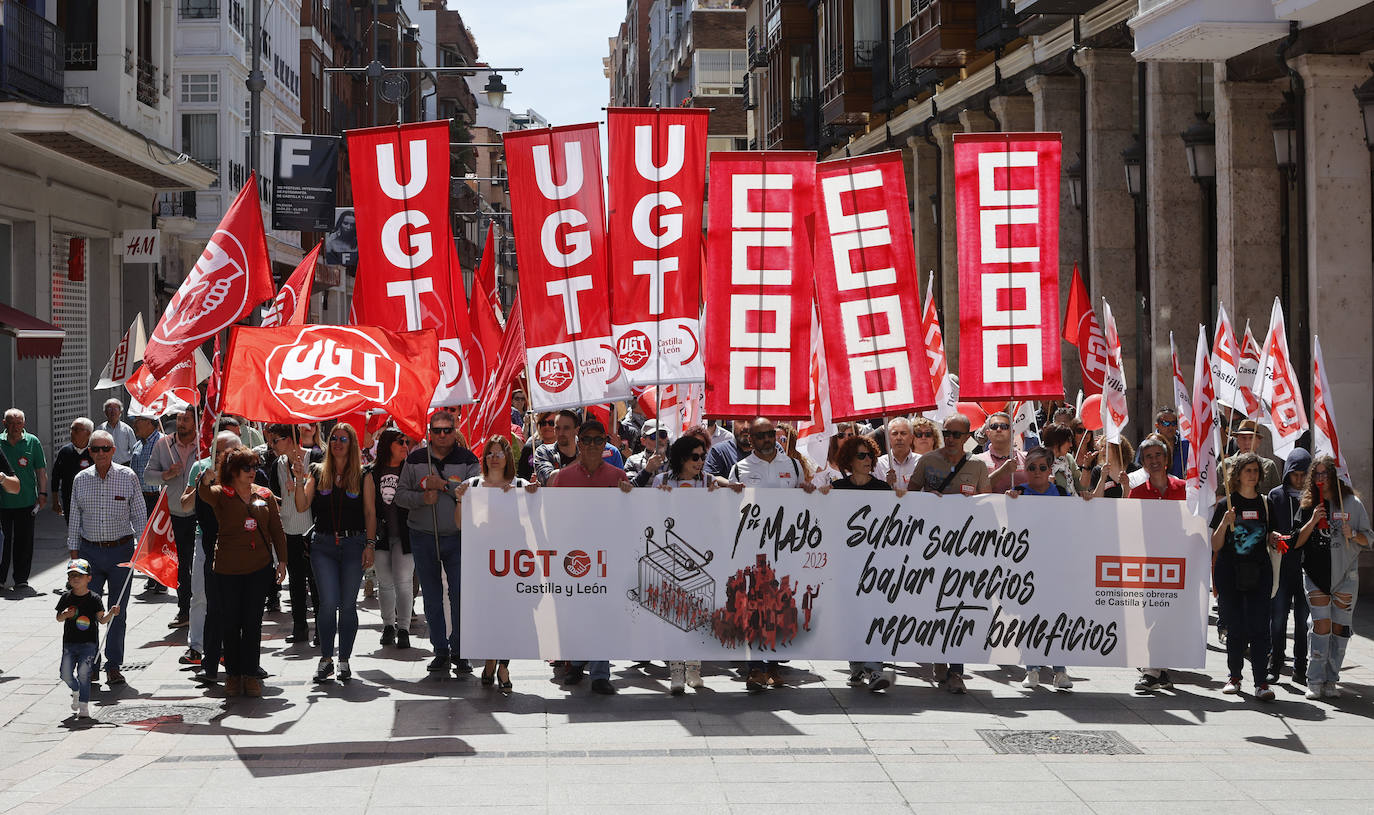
(696, 58)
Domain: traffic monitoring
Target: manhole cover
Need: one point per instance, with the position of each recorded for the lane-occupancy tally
(1070, 742)
(153, 715)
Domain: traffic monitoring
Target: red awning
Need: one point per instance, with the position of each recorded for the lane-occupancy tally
(35, 338)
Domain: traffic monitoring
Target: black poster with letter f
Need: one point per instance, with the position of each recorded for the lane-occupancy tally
(306, 168)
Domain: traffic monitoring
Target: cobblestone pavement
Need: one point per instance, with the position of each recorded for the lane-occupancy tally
(394, 741)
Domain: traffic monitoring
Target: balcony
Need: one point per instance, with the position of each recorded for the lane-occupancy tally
(757, 57)
(944, 33)
(177, 204)
(146, 83)
(31, 56)
(995, 24)
(1203, 30)
(1024, 7)
(847, 85)
(81, 56)
(198, 9)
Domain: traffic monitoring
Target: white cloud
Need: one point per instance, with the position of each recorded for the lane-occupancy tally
(559, 43)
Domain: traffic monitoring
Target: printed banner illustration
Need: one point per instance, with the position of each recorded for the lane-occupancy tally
(559, 219)
(306, 170)
(1007, 205)
(657, 178)
(758, 249)
(691, 574)
(865, 278)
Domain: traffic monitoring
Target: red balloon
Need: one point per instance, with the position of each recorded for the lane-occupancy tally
(1092, 412)
(992, 406)
(977, 417)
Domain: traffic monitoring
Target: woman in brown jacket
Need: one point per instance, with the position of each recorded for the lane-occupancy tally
(250, 554)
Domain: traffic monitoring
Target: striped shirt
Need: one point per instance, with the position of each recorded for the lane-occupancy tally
(143, 451)
(105, 509)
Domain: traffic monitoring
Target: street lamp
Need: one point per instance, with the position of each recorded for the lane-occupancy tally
(1284, 123)
(1365, 96)
(1075, 173)
(495, 90)
(935, 209)
(1200, 142)
(1134, 159)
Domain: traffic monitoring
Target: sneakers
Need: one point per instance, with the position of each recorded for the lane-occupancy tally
(388, 635)
(461, 667)
(1330, 691)
(438, 665)
(1263, 692)
(1232, 686)
(603, 687)
(1148, 682)
(179, 621)
(953, 682)
(1221, 635)
(857, 679)
(300, 634)
(774, 678)
(345, 672)
(83, 710)
(677, 679)
(113, 677)
(574, 674)
(877, 682)
(1314, 691)
(191, 657)
(1032, 679)
(324, 670)
(76, 701)
(694, 680)
(1062, 680)
(1299, 673)
(402, 639)
(757, 681)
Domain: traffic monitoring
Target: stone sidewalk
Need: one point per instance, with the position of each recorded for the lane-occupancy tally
(394, 741)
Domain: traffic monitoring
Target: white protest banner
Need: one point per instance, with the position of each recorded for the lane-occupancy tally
(691, 574)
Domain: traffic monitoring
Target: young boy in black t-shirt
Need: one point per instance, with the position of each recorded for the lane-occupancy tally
(81, 613)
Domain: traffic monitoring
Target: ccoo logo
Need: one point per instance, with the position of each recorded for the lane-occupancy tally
(633, 350)
(330, 370)
(554, 371)
(1123, 572)
(218, 285)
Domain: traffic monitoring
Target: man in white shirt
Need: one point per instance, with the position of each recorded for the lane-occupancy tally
(900, 458)
(123, 435)
(767, 467)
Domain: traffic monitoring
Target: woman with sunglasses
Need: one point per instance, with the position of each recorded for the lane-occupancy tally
(1039, 463)
(685, 469)
(1242, 534)
(925, 435)
(250, 554)
(497, 472)
(544, 427)
(344, 510)
(856, 458)
(831, 471)
(395, 566)
(1335, 528)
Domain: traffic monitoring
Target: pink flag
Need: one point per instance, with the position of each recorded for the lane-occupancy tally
(1279, 394)
(1182, 402)
(1202, 449)
(1324, 440)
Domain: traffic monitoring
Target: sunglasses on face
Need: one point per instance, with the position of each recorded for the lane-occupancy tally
(1167, 423)
(695, 457)
(764, 434)
(440, 430)
(1037, 468)
(101, 448)
(956, 434)
(662, 434)
(546, 423)
(1317, 473)
(924, 434)
(999, 426)
(340, 439)
(863, 455)
(595, 441)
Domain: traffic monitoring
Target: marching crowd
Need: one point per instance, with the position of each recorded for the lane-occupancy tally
(325, 510)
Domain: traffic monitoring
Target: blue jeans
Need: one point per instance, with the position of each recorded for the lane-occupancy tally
(105, 569)
(428, 563)
(78, 661)
(596, 669)
(338, 569)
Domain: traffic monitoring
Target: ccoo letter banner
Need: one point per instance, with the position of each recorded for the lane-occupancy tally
(1007, 204)
(657, 175)
(559, 220)
(865, 289)
(758, 249)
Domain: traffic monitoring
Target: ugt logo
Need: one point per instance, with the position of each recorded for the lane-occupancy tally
(633, 350)
(554, 371)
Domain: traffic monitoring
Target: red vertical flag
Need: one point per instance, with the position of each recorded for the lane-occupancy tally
(657, 177)
(1082, 330)
(865, 274)
(493, 414)
(210, 414)
(156, 554)
(291, 306)
(232, 276)
(758, 250)
(559, 218)
(406, 262)
(1007, 206)
(484, 308)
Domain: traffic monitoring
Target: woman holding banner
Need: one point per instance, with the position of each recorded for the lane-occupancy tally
(1335, 527)
(1039, 463)
(250, 552)
(856, 458)
(1243, 532)
(925, 436)
(498, 471)
(340, 550)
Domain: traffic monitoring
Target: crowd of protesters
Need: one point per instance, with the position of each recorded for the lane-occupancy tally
(322, 507)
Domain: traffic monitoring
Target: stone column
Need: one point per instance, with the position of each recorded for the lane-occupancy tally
(1016, 113)
(1176, 224)
(1338, 248)
(974, 121)
(920, 186)
(1110, 75)
(1056, 109)
(1248, 217)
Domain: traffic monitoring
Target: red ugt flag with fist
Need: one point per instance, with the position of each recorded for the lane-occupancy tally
(157, 551)
(232, 277)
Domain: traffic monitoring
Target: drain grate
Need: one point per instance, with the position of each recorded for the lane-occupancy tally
(1066, 742)
(153, 715)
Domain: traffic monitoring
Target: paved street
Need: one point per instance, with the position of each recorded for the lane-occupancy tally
(393, 741)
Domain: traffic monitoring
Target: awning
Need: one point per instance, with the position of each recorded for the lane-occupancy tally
(35, 338)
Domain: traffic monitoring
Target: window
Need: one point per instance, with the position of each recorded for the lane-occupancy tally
(199, 88)
(719, 71)
(198, 9)
(200, 139)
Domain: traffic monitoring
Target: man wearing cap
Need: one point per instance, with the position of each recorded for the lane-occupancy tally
(25, 455)
(148, 433)
(1248, 441)
(641, 467)
(103, 524)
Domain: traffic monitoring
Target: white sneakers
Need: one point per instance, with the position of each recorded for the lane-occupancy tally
(83, 710)
(1032, 679)
(677, 683)
(694, 680)
(1062, 680)
(76, 700)
(1232, 686)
